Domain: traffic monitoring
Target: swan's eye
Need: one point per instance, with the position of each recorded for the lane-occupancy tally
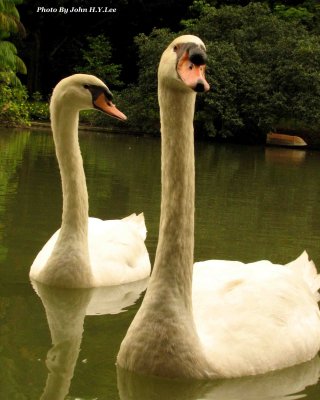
(86, 86)
(176, 48)
(191, 66)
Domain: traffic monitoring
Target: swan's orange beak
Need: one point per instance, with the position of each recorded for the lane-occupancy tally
(191, 74)
(106, 106)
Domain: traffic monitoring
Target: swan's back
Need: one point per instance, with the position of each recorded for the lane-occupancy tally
(253, 318)
(117, 250)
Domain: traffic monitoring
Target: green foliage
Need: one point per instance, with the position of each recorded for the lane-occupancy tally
(97, 61)
(224, 68)
(139, 101)
(10, 63)
(9, 16)
(38, 109)
(261, 68)
(307, 13)
(293, 13)
(13, 105)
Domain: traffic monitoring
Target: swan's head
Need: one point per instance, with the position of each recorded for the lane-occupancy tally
(183, 64)
(83, 92)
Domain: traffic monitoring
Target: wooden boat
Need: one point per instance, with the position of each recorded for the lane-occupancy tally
(281, 139)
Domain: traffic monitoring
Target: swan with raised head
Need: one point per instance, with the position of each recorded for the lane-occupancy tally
(86, 252)
(216, 319)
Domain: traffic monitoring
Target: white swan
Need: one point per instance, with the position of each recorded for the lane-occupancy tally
(86, 252)
(233, 319)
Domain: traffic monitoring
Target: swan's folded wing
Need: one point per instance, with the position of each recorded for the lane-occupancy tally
(306, 269)
(253, 318)
(117, 252)
(138, 223)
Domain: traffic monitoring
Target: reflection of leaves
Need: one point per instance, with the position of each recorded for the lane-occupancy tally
(4, 302)
(18, 363)
(8, 384)
(11, 153)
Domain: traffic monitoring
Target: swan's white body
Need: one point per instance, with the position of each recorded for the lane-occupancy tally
(262, 316)
(86, 252)
(117, 253)
(215, 319)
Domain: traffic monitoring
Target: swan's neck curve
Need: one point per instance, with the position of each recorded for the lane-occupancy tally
(69, 263)
(162, 339)
(74, 189)
(174, 256)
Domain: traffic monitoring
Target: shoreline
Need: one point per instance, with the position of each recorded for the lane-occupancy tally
(45, 125)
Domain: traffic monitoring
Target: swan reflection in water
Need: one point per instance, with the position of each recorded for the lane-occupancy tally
(65, 311)
(286, 384)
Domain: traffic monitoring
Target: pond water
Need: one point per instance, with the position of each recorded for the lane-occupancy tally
(251, 203)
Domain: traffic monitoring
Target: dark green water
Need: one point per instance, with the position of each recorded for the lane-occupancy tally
(252, 203)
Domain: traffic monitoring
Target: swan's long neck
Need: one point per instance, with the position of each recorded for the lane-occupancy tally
(162, 339)
(69, 263)
(174, 256)
(74, 189)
